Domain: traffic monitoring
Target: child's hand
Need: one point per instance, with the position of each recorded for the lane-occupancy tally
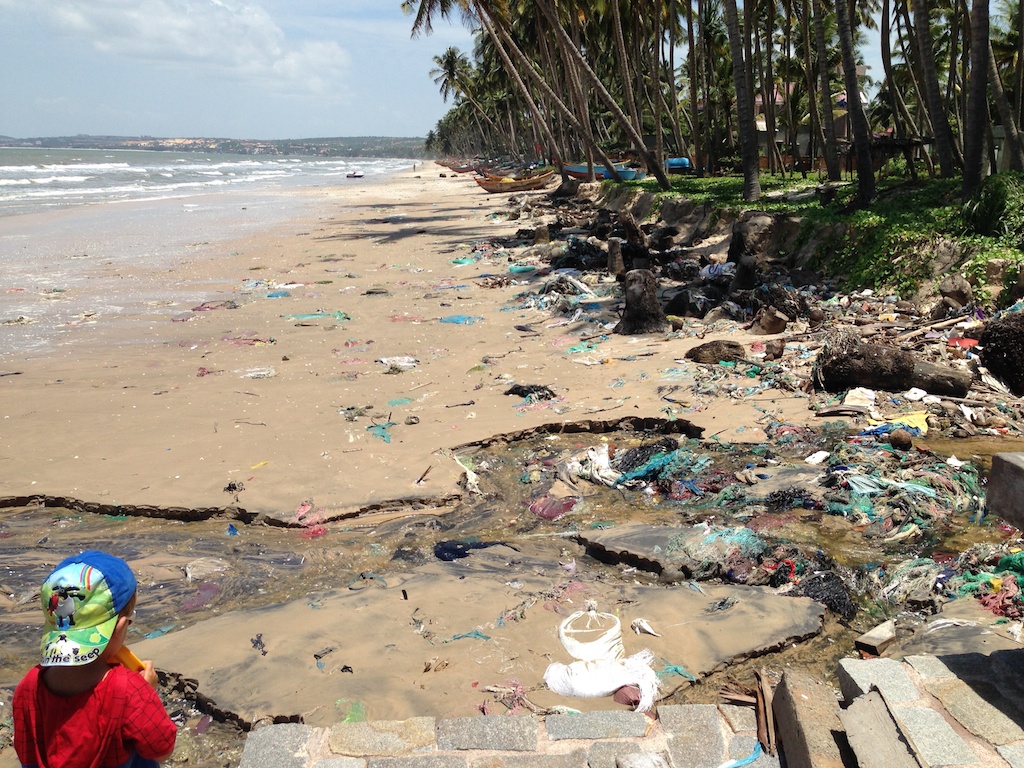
(149, 673)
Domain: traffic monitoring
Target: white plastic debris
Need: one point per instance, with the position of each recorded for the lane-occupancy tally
(954, 462)
(596, 467)
(259, 373)
(643, 627)
(915, 394)
(817, 457)
(860, 396)
(600, 669)
(403, 362)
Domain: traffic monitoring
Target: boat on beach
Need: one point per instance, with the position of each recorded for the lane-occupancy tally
(601, 172)
(508, 184)
(678, 165)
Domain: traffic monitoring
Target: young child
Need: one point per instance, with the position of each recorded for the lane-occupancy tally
(79, 708)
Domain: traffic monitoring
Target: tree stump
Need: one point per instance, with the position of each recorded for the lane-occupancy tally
(616, 264)
(1002, 350)
(643, 312)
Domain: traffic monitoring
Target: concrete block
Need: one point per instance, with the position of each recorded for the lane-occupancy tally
(930, 667)
(874, 737)
(742, 746)
(419, 761)
(807, 720)
(643, 760)
(609, 754)
(1006, 487)
(276, 746)
(856, 676)
(596, 725)
(573, 759)
(979, 708)
(385, 738)
(738, 718)
(509, 734)
(696, 734)
(932, 738)
(1013, 754)
(878, 639)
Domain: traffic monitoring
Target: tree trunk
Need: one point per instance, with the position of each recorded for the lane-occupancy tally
(855, 110)
(812, 91)
(929, 76)
(498, 35)
(744, 106)
(624, 59)
(977, 99)
(1014, 146)
(827, 102)
(691, 55)
(653, 165)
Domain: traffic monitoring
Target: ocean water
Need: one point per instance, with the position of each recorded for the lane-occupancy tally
(47, 179)
(71, 219)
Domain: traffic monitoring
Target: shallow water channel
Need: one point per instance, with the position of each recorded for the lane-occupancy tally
(190, 571)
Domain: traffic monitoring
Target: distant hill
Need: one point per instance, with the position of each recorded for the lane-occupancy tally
(347, 146)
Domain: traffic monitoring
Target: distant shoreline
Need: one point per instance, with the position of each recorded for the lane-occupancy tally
(351, 146)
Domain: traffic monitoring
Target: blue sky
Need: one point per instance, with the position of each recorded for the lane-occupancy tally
(262, 69)
(259, 69)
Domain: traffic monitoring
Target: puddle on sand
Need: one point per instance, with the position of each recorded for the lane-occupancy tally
(190, 571)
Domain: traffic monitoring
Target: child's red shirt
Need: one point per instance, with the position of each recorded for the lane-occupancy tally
(98, 728)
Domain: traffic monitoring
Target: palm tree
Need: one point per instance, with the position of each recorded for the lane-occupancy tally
(453, 73)
(744, 106)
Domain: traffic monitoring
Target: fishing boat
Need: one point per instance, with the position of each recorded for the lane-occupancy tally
(499, 174)
(579, 171)
(516, 185)
(678, 165)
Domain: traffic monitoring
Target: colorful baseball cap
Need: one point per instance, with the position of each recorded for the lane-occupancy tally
(81, 600)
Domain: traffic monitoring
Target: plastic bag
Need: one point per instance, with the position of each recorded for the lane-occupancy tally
(594, 679)
(600, 669)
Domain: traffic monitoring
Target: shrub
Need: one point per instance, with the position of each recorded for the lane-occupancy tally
(997, 208)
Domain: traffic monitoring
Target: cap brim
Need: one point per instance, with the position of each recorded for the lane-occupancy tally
(76, 647)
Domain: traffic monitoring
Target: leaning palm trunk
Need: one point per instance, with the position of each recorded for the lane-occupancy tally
(653, 165)
(859, 121)
(541, 121)
(1013, 138)
(744, 106)
(499, 35)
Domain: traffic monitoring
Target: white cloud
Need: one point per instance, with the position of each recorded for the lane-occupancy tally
(223, 37)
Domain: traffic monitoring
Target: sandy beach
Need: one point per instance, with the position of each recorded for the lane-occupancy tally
(331, 376)
(169, 407)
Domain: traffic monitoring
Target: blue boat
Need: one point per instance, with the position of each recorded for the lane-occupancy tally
(579, 171)
(678, 165)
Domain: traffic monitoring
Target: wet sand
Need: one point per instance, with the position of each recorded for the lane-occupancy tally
(286, 398)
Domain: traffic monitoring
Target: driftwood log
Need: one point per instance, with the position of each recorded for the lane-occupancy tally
(844, 362)
(643, 312)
